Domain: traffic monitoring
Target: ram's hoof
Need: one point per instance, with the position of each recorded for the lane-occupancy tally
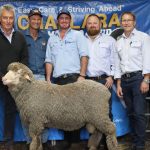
(92, 148)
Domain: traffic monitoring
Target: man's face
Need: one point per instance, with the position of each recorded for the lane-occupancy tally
(35, 22)
(128, 22)
(93, 26)
(64, 21)
(7, 20)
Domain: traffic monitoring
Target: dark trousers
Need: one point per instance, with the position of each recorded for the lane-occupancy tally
(73, 136)
(9, 113)
(135, 102)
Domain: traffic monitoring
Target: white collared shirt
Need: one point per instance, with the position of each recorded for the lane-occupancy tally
(9, 37)
(132, 54)
(101, 55)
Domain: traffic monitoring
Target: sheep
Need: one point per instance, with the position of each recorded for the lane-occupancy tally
(67, 107)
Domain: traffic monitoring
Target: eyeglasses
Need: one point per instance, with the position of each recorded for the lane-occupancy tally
(129, 20)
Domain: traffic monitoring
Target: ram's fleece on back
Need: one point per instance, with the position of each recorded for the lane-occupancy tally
(68, 107)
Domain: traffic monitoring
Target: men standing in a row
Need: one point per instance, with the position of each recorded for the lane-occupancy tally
(13, 49)
(132, 69)
(67, 54)
(101, 54)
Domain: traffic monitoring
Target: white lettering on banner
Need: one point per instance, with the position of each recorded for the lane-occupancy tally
(108, 8)
(118, 120)
(81, 9)
(47, 10)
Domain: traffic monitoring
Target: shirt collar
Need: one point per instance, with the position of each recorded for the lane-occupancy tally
(98, 36)
(27, 32)
(57, 32)
(12, 31)
(132, 33)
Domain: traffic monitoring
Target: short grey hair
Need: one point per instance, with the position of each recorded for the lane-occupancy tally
(7, 7)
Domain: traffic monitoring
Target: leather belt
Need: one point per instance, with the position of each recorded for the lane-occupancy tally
(131, 74)
(64, 76)
(104, 76)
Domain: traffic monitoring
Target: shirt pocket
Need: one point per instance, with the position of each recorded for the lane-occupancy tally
(104, 48)
(70, 44)
(135, 48)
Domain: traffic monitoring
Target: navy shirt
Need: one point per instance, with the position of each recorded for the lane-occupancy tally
(36, 51)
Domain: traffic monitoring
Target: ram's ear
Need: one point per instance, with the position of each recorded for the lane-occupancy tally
(26, 76)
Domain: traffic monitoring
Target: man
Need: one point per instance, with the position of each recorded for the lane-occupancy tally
(101, 53)
(37, 42)
(13, 49)
(132, 70)
(67, 55)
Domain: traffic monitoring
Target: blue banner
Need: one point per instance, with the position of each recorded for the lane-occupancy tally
(108, 10)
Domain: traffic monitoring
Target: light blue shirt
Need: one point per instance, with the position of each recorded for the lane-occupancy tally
(101, 55)
(64, 54)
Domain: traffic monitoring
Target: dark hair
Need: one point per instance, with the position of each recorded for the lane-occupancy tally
(128, 13)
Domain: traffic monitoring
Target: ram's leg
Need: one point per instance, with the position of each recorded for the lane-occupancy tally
(94, 140)
(35, 131)
(95, 137)
(108, 128)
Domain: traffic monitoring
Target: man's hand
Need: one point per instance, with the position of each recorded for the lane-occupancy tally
(80, 78)
(109, 82)
(144, 87)
(119, 89)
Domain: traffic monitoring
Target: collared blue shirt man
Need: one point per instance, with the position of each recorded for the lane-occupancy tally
(67, 57)
(37, 42)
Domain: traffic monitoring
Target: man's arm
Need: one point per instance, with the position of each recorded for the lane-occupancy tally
(84, 63)
(119, 89)
(49, 68)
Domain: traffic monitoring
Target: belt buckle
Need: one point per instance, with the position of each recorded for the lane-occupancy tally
(99, 77)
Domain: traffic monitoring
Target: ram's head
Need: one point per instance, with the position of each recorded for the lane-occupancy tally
(17, 72)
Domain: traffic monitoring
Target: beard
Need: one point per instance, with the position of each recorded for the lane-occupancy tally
(93, 31)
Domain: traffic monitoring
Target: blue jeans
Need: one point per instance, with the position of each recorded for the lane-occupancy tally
(135, 102)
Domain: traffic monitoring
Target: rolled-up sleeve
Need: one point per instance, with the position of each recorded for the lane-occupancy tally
(82, 45)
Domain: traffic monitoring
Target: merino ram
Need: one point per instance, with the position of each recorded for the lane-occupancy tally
(68, 107)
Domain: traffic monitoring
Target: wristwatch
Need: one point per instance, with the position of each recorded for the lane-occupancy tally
(146, 81)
